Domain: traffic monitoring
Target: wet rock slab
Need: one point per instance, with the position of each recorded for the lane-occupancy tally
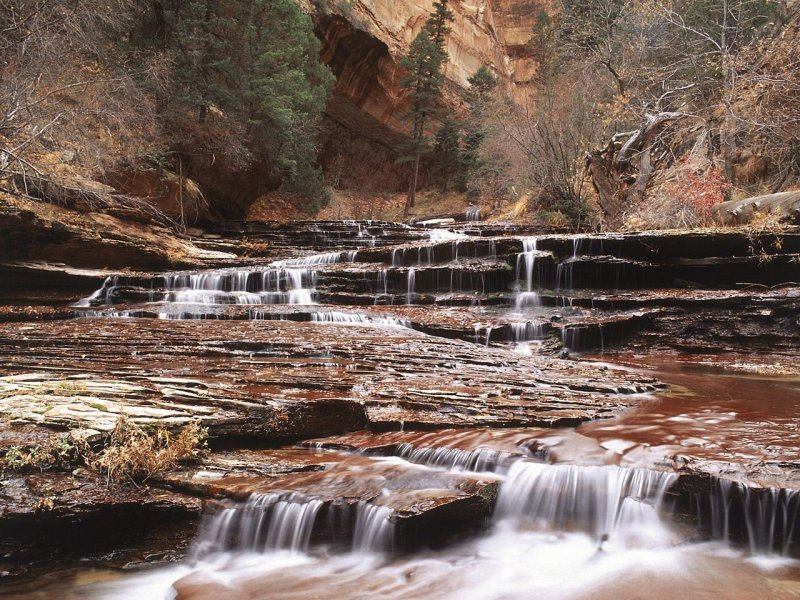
(55, 514)
(273, 380)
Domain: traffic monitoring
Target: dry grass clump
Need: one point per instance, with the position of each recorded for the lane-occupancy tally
(132, 454)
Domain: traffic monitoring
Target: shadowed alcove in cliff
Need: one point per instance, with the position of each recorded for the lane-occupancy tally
(364, 116)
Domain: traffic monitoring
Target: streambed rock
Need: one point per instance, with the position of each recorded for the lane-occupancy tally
(274, 380)
(54, 515)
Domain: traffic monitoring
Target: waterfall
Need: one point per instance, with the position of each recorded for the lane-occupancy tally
(565, 268)
(473, 213)
(526, 260)
(444, 235)
(604, 501)
(268, 522)
(275, 285)
(325, 258)
(486, 332)
(769, 516)
(291, 281)
(411, 285)
(334, 316)
(398, 257)
(374, 529)
(381, 285)
(524, 333)
(265, 522)
(101, 295)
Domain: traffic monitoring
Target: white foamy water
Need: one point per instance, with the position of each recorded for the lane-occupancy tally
(562, 532)
(347, 318)
(374, 529)
(445, 235)
(507, 564)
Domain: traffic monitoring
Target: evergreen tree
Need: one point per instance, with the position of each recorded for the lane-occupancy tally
(257, 62)
(286, 90)
(424, 63)
(199, 38)
(438, 24)
(482, 86)
(447, 151)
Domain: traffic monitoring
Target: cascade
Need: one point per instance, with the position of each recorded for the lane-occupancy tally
(291, 281)
(769, 515)
(565, 269)
(478, 460)
(398, 255)
(374, 529)
(325, 258)
(526, 260)
(334, 316)
(578, 338)
(485, 332)
(526, 331)
(275, 285)
(473, 214)
(523, 333)
(445, 235)
(382, 285)
(411, 285)
(599, 500)
(99, 296)
(265, 522)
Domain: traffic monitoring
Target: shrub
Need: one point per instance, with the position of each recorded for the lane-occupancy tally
(135, 455)
(696, 192)
(57, 453)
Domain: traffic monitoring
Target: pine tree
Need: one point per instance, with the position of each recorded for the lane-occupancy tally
(447, 151)
(257, 62)
(482, 85)
(286, 89)
(199, 39)
(424, 64)
(437, 24)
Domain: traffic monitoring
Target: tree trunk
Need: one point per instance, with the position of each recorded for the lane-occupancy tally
(617, 182)
(601, 171)
(412, 187)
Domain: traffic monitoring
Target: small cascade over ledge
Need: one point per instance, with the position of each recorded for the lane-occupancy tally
(272, 522)
(265, 522)
(607, 502)
(767, 519)
(528, 295)
(374, 529)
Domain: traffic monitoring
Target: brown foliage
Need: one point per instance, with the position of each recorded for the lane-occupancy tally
(133, 454)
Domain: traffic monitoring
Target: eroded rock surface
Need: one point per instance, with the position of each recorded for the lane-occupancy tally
(273, 380)
(363, 341)
(52, 515)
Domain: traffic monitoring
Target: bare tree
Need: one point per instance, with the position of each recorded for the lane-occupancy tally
(553, 140)
(60, 83)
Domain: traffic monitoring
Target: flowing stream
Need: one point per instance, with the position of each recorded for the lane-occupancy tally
(608, 509)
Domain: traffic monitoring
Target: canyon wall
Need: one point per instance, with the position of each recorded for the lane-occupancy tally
(363, 42)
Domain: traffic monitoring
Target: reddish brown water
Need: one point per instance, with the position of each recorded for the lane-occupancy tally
(709, 414)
